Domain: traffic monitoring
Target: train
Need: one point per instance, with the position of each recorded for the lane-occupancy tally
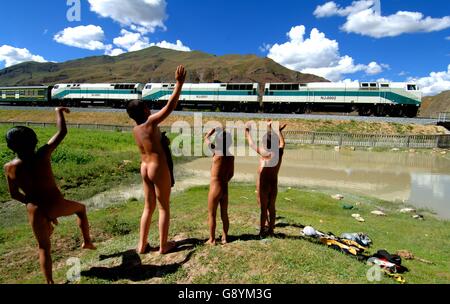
(395, 99)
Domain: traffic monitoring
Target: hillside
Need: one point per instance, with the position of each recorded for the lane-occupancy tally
(433, 105)
(153, 64)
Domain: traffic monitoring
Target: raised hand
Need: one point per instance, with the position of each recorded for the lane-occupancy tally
(180, 74)
(63, 109)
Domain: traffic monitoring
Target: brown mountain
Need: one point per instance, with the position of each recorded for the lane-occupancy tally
(153, 64)
(432, 106)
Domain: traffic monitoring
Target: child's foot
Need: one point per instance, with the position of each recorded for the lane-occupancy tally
(264, 232)
(144, 250)
(168, 248)
(211, 242)
(224, 240)
(89, 246)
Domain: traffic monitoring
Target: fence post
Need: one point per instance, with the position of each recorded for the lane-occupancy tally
(408, 141)
(438, 140)
(341, 139)
(313, 138)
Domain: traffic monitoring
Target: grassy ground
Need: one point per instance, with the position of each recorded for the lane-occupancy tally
(293, 124)
(86, 163)
(285, 259)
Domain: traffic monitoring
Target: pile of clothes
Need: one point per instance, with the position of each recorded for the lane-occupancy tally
(357, 245)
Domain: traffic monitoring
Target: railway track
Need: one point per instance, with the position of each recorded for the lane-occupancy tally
(399, 120)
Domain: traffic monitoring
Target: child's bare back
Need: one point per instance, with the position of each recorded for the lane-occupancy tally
(155, 168)
(222, 171)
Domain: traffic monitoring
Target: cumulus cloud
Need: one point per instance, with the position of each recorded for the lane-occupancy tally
(139, 15)
(133, 41)
(11, 55)
(364, 17)
(317, 55)
(89, 37)
(178, 46)
(435, 83)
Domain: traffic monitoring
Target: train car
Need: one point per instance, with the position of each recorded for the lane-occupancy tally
(109, 94)
(223, 96)
(26, 95)
(367, 98)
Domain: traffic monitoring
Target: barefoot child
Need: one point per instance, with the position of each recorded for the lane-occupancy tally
(155, 170)
(267, 184)
(31, 182)
(222, 172)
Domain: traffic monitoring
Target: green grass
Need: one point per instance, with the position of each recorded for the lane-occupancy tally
(88, 162)
(285, 259)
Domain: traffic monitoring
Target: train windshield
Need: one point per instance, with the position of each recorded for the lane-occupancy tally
(412, 87)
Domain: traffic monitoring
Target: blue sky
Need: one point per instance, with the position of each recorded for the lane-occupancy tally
(344, 46)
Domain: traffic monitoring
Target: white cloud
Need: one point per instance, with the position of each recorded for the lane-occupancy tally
(139, 15)
(447, 38)
(132, 41)
(332, 9)
(114, 52)
(11, 55)
(178, 46)
(317, 55)
(435, 83)
(265, 47)
(364, 18)
(89, 37)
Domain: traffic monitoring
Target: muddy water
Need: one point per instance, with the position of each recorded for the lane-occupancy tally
(420, 179)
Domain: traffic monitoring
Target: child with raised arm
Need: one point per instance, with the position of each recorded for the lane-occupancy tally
(31, 182)
(271, 156)
(155, 169)
(222, 172)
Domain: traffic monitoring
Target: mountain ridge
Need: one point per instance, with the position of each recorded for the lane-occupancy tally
(154, 64)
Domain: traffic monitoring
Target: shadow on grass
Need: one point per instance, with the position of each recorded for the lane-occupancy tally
(132, 268)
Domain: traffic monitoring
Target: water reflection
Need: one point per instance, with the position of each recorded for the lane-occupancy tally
(423, 179)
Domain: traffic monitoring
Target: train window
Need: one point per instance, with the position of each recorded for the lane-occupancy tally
(385, 85)
(68, 85)
(303, 85)
(412, 87)
(56, 87)
(295, 87)
(148, 87)
(365, 85)
(373, 85)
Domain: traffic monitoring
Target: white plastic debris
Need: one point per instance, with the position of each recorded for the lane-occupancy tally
(407, 210)
(338, 197)
(378, 213)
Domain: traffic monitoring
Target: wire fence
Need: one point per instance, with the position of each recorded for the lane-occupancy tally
(301, 137)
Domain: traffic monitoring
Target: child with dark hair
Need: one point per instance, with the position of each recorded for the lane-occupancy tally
(155, 167)
(222, 171)
(271, 156)
(31, 182)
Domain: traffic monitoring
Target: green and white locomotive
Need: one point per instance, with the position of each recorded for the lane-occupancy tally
(367, 98)
(396, 99)
(109, 94)
(223, 96)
